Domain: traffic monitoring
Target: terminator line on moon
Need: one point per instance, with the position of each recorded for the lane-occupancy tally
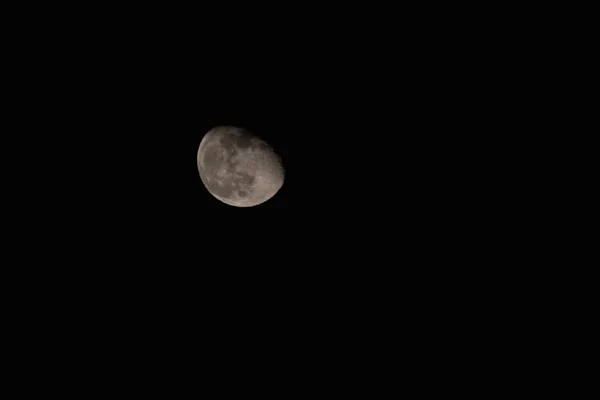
(238, 168)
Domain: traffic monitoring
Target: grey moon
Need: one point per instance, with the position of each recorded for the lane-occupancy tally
(239, 168)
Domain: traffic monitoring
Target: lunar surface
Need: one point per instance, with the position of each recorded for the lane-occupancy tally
(238, 168)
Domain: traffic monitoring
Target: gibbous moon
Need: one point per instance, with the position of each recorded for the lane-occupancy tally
(238, 168)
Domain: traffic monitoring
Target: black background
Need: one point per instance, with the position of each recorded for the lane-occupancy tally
(386, 133)
(376, 123)
(386, 126)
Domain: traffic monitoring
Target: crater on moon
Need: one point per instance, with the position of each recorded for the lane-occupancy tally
(238, 168)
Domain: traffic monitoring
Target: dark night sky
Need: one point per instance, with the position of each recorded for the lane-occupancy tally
(379, 239)
(362, 122)
(371, 130)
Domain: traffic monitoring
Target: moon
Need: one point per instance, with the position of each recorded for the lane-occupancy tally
(239, 168)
